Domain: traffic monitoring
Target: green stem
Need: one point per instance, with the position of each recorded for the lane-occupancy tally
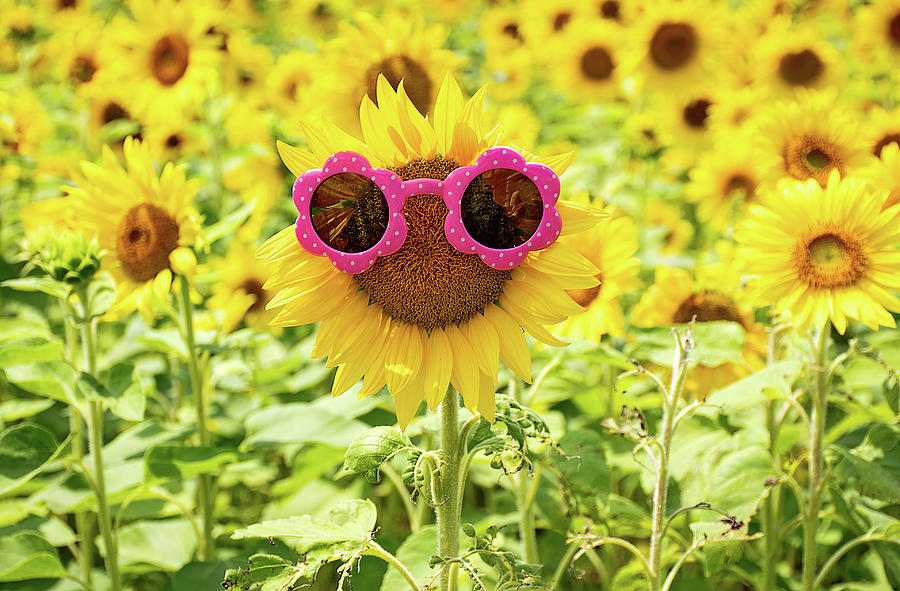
(524, 489)
(816, 435)
(411, 512)
(448, 509)
(660, 492)
(563, 565)
(375, 550)
(205, 545)
(772, 504)
(846, 548)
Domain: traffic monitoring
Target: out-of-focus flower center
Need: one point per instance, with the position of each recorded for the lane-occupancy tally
(596, 64)
(894, 29)
(610, 10)
(801, 68)
(254, 287)
(696, 113)
(169, 59)
(707, 306)
(114, 111)
(146, 236)
(82, 70)
(886, 140)
(561, 20)
(428, 282)
(828, 256)
(415, 80)
(673, 45)
(812, 157)
(740, 182)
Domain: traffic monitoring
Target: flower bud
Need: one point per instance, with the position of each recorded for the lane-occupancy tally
(71, 258)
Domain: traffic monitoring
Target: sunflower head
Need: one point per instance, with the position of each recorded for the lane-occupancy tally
(426, 315)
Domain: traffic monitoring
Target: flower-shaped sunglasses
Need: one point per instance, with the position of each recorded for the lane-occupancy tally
(499, 208)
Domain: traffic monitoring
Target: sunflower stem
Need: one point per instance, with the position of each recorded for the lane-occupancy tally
(772, 504)
(205, 545)
(525, 491)
(448, 510)
(95, 441)
(816, 435)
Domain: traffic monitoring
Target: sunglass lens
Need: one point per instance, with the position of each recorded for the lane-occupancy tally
(501, 208)
(349, 212)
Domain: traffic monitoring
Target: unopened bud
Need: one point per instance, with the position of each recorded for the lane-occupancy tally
(71, 258)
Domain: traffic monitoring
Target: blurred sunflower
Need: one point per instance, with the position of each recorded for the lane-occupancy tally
(675, 298)
(735, 109)
(143, 220)
(795, 56)
(246, 69)
(428, 315)
(883, 174)
(173, 137)
(81, 50)
(291, 86)
(666, 221)
(396, 46)
(546, 20)
(882, 129)
(611, 247)
(877, 30)
(810, 137)
(678, 45)
(824, 253)
(509, 71)
(502, 28)
(588, 60)
(725, 177)
(111, 103)
(684, 126)
(24, 125)
(171, 59)
(238, 293)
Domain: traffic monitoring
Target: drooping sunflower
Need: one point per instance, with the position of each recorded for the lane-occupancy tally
(396, 46)
(824, 253)
(427, 315)
(144, 220)
(810, 137)
(588, 60)
(790, 57)
(678, 45)
(883, 174)
(725, 177)
(171, 58)
(676, 298)
(611, 246)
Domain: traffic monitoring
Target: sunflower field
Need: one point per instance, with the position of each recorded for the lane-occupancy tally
(458, 295)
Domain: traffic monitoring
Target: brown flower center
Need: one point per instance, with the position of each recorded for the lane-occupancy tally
(145, 238)
(512, 31)
(673, 45)
(64, 4)
(827, 256)
(596, 64)
(812, 157)
(886, 140)
(82, 70)
(586, 297)
(610, 10)
(112, 112)
(169, 59)
(254, 287)
(740, 182)
(800, 69)
(561, 20)
(696, 113)
(428, 282)
(173, 141)
(415, 80)
(708, 306)
(894, 29)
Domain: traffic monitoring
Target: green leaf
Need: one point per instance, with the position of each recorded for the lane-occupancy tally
(197, 576)
(300, 423)
(53, 379)
(22, 408)
(175, 462)
(25, 450)
(30, 350)
(583, 468)
(124, 397)
(146, 546)
(370, 449)
(264, 573)
(101, 294)
(26, 556)
(749, 392)
(722, 543)
(164, 341)
(349, 523)
(53, 529)
(118, 129)
(414, 552)
(715, 343)
(738, 482)
(133, 443)
(40, 284)
(873, 467)
(229, 224)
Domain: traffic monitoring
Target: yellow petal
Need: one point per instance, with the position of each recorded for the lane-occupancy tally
(403, 357)
(298, 161)
(465, 368)
(513, 346)
(437, 364)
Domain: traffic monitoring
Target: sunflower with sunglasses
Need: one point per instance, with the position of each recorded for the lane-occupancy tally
(426, 251)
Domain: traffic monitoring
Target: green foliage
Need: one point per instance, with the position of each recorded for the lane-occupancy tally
(26, 556)
(25, 450)
(369, 450)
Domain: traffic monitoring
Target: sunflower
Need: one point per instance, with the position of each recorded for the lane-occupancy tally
(666, 222)
(81, 50)
(735, 109)
(23, 124)
(291, 85)
(791, 57)
(588, 60)
(396, 46)
(724, 178)
(546, 20)
(877, 31)
(238, 293)
(882, 129)
(676, 298)
(824, 253)
(502, 27)
(247, 67)
(810, 137)
(173, 137)
(678, 45)
(111, 104)
(143, 220)
(684, 126)
(883, 174)
(171, 59)
(611, 247)
(427, 315)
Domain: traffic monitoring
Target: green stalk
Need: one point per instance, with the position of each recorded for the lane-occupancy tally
(95, 440)
(816, 434)
(772, 504)
(206, 545)
(448, 510)
(525, 491)
(660, 492)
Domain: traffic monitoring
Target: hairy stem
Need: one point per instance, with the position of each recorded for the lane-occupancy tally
(205, 545)
(525, 487)
(448, 509)
(816, 434)
(376, 550)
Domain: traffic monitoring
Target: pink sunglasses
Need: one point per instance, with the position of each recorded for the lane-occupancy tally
(352, 213)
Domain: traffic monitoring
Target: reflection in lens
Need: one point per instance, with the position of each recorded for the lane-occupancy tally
(349, 213)
(501, 208)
